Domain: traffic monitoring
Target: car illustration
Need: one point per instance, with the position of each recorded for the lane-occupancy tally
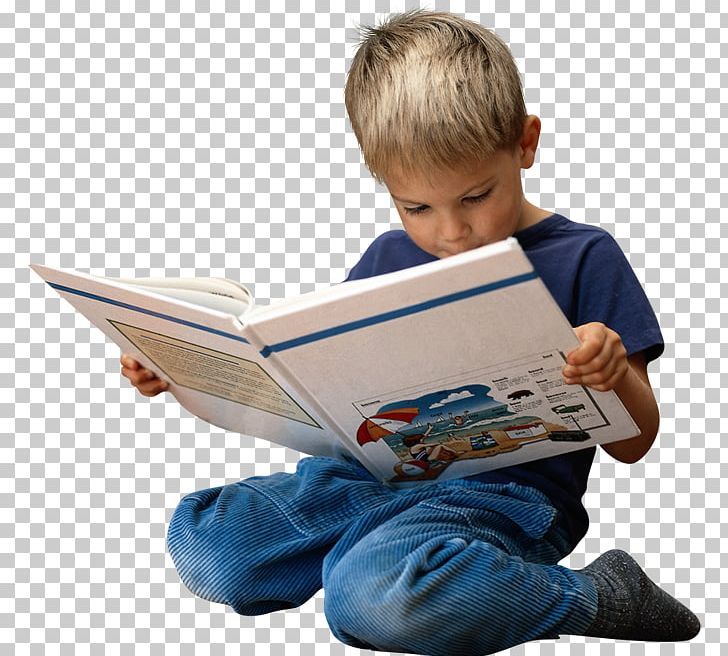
(567, 409)
(569, 436)
(519, 394)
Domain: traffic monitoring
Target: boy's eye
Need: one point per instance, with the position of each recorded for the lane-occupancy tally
(416, 210)
(477, 199)
(419, 209)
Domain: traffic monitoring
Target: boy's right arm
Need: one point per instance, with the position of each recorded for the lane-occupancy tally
(145, 380)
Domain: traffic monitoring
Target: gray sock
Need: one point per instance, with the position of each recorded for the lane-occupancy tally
(632, 607)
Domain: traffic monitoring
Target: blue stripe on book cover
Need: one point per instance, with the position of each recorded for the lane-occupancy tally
(329, 332)
(396, 314)
(152, 313)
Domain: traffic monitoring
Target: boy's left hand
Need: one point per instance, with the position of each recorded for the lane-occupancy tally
(601, 360)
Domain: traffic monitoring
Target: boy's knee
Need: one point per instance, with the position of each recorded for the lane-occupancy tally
(199, 547)
(359, 613)
(416, 602)
(395, 606)
(221, 541)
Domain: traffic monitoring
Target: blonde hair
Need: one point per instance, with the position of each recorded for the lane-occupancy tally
(430, 90)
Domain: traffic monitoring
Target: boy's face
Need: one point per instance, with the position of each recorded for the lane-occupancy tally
(466, 209)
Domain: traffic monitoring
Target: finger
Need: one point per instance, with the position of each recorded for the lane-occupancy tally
(128, 373)
(603, 380)
(596, 378)
(138, 376)
(134, 375)
(592, 344)
(602, 361)
(152, 387)
(605, 385)
(128, 362)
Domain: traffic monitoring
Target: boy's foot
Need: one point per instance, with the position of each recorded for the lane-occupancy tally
(632, 607)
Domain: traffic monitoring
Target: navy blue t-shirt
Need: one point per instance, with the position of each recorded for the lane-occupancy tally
(587, 273)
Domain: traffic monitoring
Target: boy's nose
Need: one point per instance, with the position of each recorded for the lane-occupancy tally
(454, 228)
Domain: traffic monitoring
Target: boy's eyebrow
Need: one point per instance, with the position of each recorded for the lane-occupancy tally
(465, 193)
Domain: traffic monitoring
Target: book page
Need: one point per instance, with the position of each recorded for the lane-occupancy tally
(218, 294)
(212, 368)
(224, 375)
(479, 414)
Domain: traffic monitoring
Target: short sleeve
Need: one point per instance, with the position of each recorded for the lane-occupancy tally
(609, 292)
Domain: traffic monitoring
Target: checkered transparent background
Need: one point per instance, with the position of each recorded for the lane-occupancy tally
(193, 138)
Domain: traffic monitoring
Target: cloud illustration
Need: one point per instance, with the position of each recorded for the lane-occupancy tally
(455, 396)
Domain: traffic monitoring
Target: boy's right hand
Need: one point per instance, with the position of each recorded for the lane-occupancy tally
(145, 380)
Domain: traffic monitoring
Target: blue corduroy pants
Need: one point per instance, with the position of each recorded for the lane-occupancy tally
(458, 567)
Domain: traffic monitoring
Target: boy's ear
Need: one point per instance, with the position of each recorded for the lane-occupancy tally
(529, 141)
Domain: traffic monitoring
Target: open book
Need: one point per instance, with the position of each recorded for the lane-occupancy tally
(438, 371)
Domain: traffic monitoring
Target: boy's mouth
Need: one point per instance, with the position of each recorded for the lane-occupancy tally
(448, 252)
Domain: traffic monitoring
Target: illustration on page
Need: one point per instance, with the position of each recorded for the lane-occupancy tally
(481, 414)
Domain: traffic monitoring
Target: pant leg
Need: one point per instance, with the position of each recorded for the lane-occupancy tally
(258, 545)
(461, 573)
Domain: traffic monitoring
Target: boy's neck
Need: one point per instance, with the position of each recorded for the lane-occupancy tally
(531, 215)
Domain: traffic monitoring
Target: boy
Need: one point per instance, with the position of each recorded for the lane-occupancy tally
(465, 566)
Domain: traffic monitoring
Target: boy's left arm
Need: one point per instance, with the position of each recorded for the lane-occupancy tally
(601, 362)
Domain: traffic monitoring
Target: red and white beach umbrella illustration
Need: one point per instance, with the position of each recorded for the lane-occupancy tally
(385, 423)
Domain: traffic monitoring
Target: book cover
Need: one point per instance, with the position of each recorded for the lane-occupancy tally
(438, 371)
